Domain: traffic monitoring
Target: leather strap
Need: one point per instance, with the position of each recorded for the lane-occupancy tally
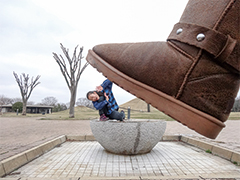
(214, 42)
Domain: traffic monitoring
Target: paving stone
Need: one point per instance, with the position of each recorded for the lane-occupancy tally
(76, 138)
(204, 145)
(33, 153)
(14, 162)
(2, 171)
(171, 138)
(236, 157)
(30, 132)
(88, 159)
(90, 138)
(222, 152)
(192, 141)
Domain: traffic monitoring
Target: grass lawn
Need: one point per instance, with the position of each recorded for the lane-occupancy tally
(84, 113)
(234, 116)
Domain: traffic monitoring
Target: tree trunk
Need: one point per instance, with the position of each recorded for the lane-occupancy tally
(24, 110)
(70, 78)
(72, 101)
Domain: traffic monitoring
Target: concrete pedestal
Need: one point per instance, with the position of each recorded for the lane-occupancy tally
(129, 137)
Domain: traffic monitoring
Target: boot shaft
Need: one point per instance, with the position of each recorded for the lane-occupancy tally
(213, 26)
(219, 15)
(216, 54)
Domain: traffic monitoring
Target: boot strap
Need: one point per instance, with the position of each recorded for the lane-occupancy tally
(214, 42)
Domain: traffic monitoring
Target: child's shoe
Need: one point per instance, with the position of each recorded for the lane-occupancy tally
(103, 117)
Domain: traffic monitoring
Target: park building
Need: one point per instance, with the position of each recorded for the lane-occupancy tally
(37, 109)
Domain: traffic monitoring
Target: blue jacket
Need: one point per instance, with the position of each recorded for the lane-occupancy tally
(111, 103)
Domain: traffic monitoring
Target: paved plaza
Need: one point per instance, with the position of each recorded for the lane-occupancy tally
(87, 159)
(20, 134)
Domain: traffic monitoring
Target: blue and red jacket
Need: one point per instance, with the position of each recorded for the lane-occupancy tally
(111, 103)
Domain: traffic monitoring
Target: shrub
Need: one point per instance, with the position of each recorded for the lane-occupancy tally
(17, 105)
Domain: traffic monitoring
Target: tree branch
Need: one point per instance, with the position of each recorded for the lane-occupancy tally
(63, 69)
(74, 69)
(24, 85)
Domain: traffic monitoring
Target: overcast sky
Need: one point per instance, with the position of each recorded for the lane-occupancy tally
(32, 29)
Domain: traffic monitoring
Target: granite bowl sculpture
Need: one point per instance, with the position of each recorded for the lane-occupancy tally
(129, 137)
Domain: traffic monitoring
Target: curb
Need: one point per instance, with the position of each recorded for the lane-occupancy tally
(224, 153)
(80, 138)
(227, 154)
(10, 164)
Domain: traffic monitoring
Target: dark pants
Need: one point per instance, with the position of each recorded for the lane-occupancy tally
(104, 110)
(114, 115)
(117, 115)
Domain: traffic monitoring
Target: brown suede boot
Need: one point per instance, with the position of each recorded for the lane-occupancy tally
(194, 77)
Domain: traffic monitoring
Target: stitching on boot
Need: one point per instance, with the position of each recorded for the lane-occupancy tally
(208, 76)
(182, 87)
(181, 51)
(227, 9)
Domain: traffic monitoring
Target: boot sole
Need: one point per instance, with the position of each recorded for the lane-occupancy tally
(181, 112)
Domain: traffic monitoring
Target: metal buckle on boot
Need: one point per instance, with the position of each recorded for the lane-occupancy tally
(219, 45)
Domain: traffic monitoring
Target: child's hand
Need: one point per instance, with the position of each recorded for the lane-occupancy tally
(99, 88)
(106, 96)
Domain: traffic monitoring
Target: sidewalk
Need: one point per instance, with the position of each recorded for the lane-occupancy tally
(20, 134)
(88, 160)
(174, 160)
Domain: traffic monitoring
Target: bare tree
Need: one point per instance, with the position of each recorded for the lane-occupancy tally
(4, 101)
(30, 103)
(26, 88)
(236, 105)
(49, 101)
(14, 100)
(85, 102)
(70, 77)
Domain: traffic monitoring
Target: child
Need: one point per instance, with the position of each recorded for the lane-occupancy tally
(104, 101)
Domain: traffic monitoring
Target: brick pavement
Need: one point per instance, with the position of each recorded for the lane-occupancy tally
(89, 159)
(20, 134)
